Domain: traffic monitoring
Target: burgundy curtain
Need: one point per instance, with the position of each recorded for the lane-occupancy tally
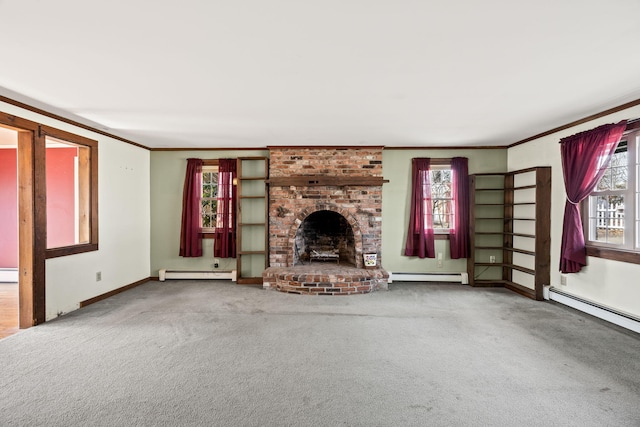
(459, 233)
(190, 241)
(585, 157)
(225, 235)
(420, 241)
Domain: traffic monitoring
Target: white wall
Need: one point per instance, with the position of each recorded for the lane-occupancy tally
(611, 283)
(124, 224)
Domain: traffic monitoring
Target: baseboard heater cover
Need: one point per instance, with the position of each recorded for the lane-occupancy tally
(205, 274)
(624, 320)
(429, 277)
(9, 275)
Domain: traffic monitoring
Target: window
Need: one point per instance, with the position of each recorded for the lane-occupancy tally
(209, 200)
(439, 206)
(441, 198)
(612, 211)
(71, 175)
(210, 196)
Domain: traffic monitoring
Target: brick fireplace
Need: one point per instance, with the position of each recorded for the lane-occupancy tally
(325, 213)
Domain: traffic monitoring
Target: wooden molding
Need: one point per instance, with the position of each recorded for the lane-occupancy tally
(68, 121)
(613, 254)
(209, 149)
(578, 122)
(325, 147)
(325, 180)
(448, 148)
(113, 292)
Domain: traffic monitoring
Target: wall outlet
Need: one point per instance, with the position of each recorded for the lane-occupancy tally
(492, 259)
(216, 263)
(439, 259)
(563, 280)
(98, 276)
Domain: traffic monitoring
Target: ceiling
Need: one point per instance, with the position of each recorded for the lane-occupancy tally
(254, 73)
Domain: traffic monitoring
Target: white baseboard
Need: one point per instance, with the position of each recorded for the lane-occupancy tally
(8, 275)
(429, 277)
(206, 275)
(610, 315)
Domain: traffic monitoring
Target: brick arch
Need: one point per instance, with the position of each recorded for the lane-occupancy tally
(302, 215)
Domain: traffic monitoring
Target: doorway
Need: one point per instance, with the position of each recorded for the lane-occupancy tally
(31, 218)
(9, 251)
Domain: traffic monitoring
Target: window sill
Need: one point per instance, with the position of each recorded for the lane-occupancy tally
(208, 235)
(70, 250)
(441, 236)
(621, 255)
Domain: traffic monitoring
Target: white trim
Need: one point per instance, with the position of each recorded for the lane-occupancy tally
(429, 277)
(8, 275)
(624, 320)
(207, 274)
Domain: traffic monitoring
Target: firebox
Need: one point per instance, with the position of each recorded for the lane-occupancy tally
(324, 236)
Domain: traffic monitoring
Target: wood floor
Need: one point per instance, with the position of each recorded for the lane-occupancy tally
(8, 309)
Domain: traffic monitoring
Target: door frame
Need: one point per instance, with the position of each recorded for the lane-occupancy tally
(32, 220)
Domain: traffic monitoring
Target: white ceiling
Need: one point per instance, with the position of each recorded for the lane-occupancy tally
(253, 73)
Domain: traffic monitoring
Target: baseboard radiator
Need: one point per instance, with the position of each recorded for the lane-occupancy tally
(9, 275)
(616, 317)
(205, 274)
(429, 277)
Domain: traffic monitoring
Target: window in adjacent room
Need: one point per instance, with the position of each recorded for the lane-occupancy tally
(612, 210)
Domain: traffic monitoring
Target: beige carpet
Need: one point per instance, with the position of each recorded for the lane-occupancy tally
(187, 353)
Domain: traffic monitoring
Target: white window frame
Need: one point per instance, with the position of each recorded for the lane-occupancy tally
(441, 167)
(631, 232)
(208, 169)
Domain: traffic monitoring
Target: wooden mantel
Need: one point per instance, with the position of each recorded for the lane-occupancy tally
(317, 180)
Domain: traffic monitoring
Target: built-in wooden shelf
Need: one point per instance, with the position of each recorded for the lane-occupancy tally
(252, 217)
(535, 209)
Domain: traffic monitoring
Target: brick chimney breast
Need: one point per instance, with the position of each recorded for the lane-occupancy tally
(325, 200)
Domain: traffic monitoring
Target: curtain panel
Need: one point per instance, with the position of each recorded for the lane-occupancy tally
(190, 239)
(585, 157)
(225, 234)
(459, 234)
(420, 239)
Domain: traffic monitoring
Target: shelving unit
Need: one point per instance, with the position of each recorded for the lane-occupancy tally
(509, 224)
(252, 234)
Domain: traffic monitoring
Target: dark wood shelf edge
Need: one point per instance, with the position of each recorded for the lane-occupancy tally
(505, 248)
(522, 290)
(488, 283)
(505, 265)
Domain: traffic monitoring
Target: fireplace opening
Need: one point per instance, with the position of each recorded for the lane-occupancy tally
(324, 236)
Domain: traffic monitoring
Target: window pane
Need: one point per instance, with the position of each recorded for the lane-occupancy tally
(441, 198)
(619, 178)
(606, 222)
(442, 209)
(605, 182)
(616, 175)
